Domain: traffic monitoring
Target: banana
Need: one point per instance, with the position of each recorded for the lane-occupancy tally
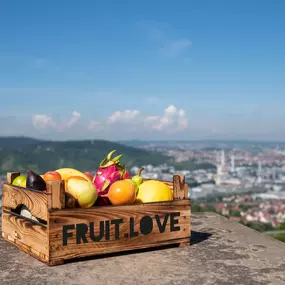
(67, 172)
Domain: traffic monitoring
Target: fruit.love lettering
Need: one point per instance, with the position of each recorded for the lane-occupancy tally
(85, 233)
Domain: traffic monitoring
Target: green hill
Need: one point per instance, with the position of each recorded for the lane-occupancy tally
(17, 142)
(21, 154)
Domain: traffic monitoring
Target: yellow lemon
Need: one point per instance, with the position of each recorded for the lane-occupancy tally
(154, 191)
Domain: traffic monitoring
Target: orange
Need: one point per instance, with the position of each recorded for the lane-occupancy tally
(122, 192)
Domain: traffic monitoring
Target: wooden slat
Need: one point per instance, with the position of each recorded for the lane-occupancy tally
(79, 254)
(56, 198)
(186, 191)
(178, 187)
(36, 201)
(152, 238)
(31, 237)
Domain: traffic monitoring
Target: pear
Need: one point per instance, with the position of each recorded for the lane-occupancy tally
(137, 178)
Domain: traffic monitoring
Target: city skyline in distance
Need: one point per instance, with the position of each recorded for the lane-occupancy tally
(218, 143)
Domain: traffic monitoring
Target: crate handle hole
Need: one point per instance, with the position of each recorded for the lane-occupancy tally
(27, 213)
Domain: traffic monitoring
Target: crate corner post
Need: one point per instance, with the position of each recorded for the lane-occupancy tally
(11, 176)
(180, 192)
(180, 188)
(56, 194)
(55, 201)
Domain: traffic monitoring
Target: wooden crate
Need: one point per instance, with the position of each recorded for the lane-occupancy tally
(65, 233)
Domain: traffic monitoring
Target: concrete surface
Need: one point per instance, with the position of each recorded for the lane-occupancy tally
(222, 252)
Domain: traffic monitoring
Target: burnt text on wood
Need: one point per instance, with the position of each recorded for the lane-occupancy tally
(102, 230)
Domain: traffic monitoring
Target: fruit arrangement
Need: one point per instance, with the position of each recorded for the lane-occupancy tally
(112, 184)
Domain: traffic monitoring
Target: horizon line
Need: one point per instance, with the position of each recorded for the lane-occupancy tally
(146, 140)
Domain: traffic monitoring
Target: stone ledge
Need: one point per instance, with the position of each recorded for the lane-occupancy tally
(222, 252)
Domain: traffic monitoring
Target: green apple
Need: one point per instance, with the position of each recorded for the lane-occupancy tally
(24, 183)
(19, 180)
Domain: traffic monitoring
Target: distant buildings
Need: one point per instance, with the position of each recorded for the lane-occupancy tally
(223, 172)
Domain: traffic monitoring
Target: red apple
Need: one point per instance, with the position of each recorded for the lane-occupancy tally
(51, 175)
(89, 175)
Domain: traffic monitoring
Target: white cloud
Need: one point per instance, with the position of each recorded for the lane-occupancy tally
(173, 120)
(75, 117)
(41, 121)
(122, 122)
(151, 124)
(127, 116)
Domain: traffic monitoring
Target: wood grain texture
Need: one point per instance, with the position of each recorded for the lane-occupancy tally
(179, 242)
(66, 217)
(186, 191)
(56, 197)
(31, 237)
(179, 187)
(36, 201)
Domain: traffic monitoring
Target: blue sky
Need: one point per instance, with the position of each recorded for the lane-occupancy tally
(143, 69)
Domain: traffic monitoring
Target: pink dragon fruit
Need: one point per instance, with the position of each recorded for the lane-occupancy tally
(109, 171)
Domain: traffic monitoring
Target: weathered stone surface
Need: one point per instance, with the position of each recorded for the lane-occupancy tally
(222, 252)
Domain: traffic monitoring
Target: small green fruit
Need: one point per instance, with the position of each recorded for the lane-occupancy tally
(19, 180)
(138, 179)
